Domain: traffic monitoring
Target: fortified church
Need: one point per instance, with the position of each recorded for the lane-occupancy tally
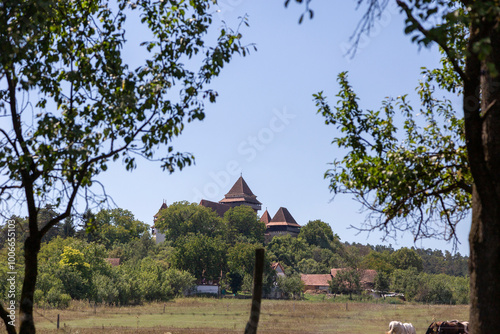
(240, 194)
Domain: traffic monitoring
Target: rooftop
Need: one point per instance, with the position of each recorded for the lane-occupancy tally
(283, 217)
(316, 279)
(266, 217)
(219, 208)
(240, 192)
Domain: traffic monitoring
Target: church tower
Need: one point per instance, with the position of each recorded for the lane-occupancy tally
(240, 194)
(282, 223)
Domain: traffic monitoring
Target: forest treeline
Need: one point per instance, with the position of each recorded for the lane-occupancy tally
(200, 246)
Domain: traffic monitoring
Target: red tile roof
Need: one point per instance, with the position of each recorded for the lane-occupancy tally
(283, 217)
(316, 279)
(367, 275)
(219, 208)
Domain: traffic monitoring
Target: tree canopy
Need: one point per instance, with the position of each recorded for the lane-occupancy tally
(418, 179)
(183, 218)
(468, 34)
(74, 105)
(242, 222)
(318, 233)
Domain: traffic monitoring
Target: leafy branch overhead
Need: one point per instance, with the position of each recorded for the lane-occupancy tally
(76, 105)
(72, 104)
(416, 178)
(468, 35)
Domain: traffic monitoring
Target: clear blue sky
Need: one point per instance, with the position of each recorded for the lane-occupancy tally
(265, 125)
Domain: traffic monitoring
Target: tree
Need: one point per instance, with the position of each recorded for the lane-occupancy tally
(310, 266)
(75, 106)
(318, 233)
(240, 262)
(382, 281)
(406, 258)
(422, 181)
(346, 280)
(235, 280)
(467, 32)
(182, 218)
(242, 223)
(241, 256)
(379, 261)
(202, 256)
(406, 281)
(291, 285)
(117, 226)
(179, 281)
(288, 250)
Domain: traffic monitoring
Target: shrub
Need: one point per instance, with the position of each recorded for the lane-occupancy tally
(56, 298)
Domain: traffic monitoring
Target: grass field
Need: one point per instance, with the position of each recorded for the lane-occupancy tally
(195, 315)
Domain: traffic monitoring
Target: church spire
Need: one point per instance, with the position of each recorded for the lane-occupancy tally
(240, 194)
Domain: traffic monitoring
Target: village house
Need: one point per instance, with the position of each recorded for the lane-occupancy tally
(321, 282)
(316, 282)
(367, 278)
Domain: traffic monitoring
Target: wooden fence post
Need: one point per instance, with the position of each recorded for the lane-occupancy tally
(57, 321)
(253, 322)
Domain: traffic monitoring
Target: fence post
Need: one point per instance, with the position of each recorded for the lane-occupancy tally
(57, 321)
(253, 322)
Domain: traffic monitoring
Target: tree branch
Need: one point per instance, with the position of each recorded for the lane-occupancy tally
(427, 34)
(10, 141)
(465, 186)
(83, 171)
(5, 317)
(25, 175)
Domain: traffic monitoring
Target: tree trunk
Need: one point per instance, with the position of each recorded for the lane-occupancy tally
(32, 247)
(484, 265)
(483, 145)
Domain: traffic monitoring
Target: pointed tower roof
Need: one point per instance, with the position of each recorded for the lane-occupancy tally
(163, 206)
(266, 217)
(240, 189)
(240, 194)
(283, 217)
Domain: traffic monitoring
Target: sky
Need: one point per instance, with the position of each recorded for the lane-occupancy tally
(264, 124)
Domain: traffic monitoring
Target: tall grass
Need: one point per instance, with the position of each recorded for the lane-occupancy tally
(205, 315)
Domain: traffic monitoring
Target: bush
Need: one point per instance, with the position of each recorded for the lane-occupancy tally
(56, 298)
(291, 285)
(105, 290)
(443, 289)
(176, 282)
(74, 282)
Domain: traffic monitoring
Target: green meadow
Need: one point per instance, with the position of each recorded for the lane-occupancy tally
(205, 315)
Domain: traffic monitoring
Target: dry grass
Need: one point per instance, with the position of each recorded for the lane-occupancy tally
(192, 315)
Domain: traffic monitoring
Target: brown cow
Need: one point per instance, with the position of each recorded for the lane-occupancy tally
(433, 327)
(448, 327)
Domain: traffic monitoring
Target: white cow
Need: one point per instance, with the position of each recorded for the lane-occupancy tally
(396, 327)
(409, 328)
